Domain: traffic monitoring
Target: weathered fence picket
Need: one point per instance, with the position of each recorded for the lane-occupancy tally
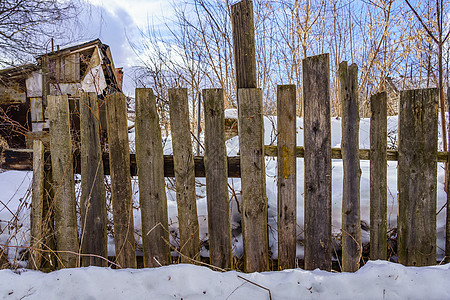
(447, 224)
(287, 176)
(351, 220)
(63, 181)
(49, 258)
(417, 177)
(219, 208)
(37, 203)
(317, 137)
(378, 176)
(93, 236)
(152, 189)
(253, 181)
(244, 44)
(183, 162)
(121, 193)
(417, 169)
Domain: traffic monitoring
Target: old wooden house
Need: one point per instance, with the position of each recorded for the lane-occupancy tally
(82, 68)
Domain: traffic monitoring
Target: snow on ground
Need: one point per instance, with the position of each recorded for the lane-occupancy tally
(376, 280)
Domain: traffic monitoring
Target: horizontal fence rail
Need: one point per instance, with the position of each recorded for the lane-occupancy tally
(22, 160)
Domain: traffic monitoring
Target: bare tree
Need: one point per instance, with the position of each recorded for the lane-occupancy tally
(439, 36)
(26, 25)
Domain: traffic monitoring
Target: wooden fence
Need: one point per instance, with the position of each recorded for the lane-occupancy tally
(417, 160)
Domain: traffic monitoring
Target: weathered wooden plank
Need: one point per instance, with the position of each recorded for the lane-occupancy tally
(152, 189)
(287, 176)
(364, 154)
(184, 174)
(417, 171)
(447, 225)
(49, 260)
(253, 181)
(37, 112)
(121, 193)
(37, 202)
(46, 77)
(22, 160)
(244, 44)
(219, 223)
(378, 176)
(317, 141)
(93, 238)
(351, 219)
(63, 181)
(16, 159)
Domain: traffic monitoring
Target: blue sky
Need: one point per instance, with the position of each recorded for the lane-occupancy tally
(117, 22)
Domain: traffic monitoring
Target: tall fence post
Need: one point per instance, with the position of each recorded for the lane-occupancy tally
(63, 181)
(152, 190)
(93, 237)
(219, 227)
(121, 193)
(244, 44)
(184, 175)
(417, 177)
(447, 224)
(378, 176)
(253, 181)
(287, 176)
(317, 140)
(351, 220)
(37, 202)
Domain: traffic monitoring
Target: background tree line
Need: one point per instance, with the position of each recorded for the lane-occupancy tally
(403, 40)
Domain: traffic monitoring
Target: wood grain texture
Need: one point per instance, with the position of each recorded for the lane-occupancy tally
(184, 174)
(63, 181)
(22, 159)
(317, 141)
(152, 189)
(244, 44)
(219, 208)
(378, 176)
(49, 258)
(37, 202)
(93, 237)
(417, 171)
(447, 225)
(287, 176)
(351, 218)
(121, 193)
(253, 181)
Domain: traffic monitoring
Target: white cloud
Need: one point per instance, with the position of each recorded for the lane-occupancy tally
(117, 22)
(139, 10)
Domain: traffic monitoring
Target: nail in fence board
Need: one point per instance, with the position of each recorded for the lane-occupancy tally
(287, 176)
(253, 181)
(63, 181)
(417, 177)
(121, 193)
(378, 176)
(184, 174)
(152, 190)
(317, 140)
(219, 227)
(351, 219)
(93, 237)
